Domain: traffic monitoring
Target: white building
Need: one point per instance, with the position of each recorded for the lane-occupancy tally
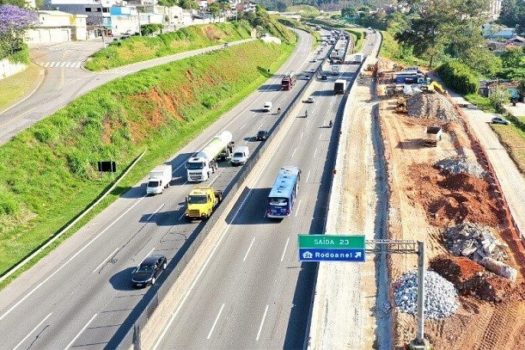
(495, 8)
(57, 26)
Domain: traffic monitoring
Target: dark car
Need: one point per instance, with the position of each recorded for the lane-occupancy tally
(262, 135)
(149, 270)
(324, 77)
(499, 120)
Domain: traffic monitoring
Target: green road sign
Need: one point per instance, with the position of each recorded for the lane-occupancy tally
(332, 242)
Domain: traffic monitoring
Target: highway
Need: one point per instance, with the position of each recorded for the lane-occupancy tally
(253, 293)
(80, 295)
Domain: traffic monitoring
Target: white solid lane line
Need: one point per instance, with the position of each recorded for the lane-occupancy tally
(68, 261)
(248, 251)
(285, 247)
(81, 331)
(151, 251)
(308, 177)
(215, 323)
(315, 152)
(293, 153)
(262, 323)
(34, 329)
(155, 212)
(105, 260)
(298, 207)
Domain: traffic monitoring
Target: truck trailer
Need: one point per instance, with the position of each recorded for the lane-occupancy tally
(159, 179)
(203, 163)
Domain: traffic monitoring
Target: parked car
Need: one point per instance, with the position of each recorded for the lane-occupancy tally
(149, 270)
(499, 120)
(309, 100)
(262, 135)
(324, 77)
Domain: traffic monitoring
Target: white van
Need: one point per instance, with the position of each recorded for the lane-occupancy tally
(240, 155)
(267, 106)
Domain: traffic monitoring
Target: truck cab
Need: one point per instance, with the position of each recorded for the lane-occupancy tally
(267, 106)
(201, 202)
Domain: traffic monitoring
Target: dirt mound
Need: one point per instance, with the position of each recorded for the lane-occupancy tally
(470, 278)
(452, 199)
(431, 106)
(457, 270)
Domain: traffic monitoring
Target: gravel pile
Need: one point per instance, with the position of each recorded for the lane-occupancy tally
(430, 106)
(474, 241)
(460, 165)
(441, 296)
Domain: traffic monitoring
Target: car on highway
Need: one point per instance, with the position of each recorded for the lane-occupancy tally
(313, 60)
(499, 120)
(309, 100)
(262, 135)
(324, 77)
(149, 270)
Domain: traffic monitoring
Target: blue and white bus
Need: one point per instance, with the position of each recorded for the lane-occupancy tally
(284, 192)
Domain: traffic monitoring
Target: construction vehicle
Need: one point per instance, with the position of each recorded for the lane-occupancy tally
(203, 163)
(433, 136)
(401, 105)
(201, 202)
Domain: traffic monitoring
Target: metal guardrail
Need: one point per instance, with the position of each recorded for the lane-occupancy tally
(184, 255)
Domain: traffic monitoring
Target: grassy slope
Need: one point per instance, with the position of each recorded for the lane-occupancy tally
(161, 109)
(13, 88)
(136, 49)
(305, 10)
(392, 50)
(513, 139)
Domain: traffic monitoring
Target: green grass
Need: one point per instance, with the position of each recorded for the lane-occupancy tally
(392, 50)
(137, 49)
(513, 139)
(358, 36)
(47, 173)
(15, 87)
(481, 102)
(304, 10)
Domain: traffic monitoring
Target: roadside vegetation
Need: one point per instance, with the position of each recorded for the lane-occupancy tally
(142, 48)
(513, 139)
(15, 87)
(304, 10)
(299, 25)
(48, 172)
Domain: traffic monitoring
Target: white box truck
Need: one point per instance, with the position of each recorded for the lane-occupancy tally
(159, 179)
(358, 58)
(203, 163)
(339, 86)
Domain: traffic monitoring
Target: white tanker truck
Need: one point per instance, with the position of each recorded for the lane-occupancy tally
(203, 163)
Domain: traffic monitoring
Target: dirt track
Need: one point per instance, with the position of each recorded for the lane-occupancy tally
(423, 202)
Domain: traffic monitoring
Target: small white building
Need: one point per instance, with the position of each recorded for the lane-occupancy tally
(124, 20)
(57, 27)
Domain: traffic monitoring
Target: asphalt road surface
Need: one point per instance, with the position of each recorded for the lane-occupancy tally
(254, 294)
(80, 295)
(65, 81)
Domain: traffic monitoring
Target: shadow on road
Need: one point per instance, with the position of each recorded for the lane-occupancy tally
(122, 279)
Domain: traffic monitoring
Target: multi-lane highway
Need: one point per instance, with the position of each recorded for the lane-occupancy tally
(253, 292)
(80, 295)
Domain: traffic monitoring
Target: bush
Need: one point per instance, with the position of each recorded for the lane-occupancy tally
(150, 29)
(458, 77)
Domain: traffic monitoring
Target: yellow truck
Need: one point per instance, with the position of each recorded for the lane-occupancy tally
(201, 202)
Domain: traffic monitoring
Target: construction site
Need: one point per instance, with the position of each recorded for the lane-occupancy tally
(444, 192)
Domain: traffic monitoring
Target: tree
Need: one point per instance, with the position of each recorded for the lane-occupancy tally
(512, 58)
(188, 4)
(513, 14)
(214, 9)
(281, 6)
(19, 3)
(13, 22)
(348, 12)
(499, 97)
